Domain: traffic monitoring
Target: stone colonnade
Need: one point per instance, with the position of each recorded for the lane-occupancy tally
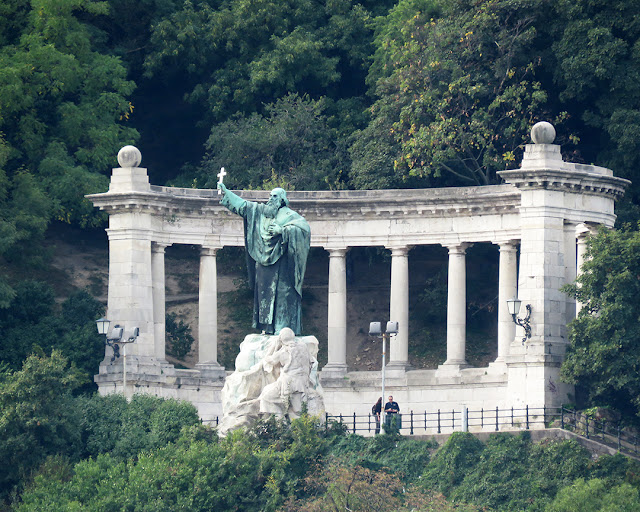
(399, 302)
(543, 214)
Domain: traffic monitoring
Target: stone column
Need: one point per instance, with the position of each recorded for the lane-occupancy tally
(457, 307)
(582, 232)
(159, 307)
(208, 313)
(570, 266)
(507, 289)
(399, 308)
(337, 315)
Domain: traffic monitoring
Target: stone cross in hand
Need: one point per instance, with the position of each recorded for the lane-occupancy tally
(221, 175)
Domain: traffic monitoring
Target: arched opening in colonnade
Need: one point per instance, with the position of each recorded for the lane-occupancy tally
(428, 287)
(235, 301)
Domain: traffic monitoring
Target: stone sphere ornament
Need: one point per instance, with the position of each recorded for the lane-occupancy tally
(129, 156)
(543, 133)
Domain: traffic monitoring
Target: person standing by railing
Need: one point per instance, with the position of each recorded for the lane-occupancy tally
(376, 410)
(392, 419)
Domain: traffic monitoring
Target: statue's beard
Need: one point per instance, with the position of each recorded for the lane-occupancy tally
(271, 209)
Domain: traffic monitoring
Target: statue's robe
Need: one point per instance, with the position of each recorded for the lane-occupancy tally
(275, 263)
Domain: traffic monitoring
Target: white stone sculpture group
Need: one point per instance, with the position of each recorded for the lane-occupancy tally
(275, 375)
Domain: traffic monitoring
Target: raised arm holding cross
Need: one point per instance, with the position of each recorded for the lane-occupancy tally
(221, 175)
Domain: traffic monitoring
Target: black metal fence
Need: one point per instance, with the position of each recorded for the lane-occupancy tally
(608, 432)
(444, 421)
(440, 421)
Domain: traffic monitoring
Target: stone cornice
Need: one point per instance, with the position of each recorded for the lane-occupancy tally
(347, 204)
(579, 179)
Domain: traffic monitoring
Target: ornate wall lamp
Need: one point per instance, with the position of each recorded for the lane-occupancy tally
(114, 340)
(514, 309)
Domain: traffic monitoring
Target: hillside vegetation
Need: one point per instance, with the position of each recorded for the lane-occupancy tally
(104, 453)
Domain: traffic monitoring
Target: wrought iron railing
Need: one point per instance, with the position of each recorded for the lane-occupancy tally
(444, 421)
(440, 421)
(608, 432)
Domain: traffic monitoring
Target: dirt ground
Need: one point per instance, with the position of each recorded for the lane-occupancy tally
(81, 261)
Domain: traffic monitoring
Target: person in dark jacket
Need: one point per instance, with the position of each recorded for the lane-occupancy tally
(376, 411)
(391, 407)
(392, 419)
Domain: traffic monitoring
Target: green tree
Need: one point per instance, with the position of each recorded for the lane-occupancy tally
(178, 335)
(603, 356)
(112, 425)
(24, 214)
(63, 105)
(239, 54)
(239, 472)
(595, 65)
(596, 496)
(33, 322)
(37, 417)
(512, 473)
(404, 456)
(451, 462)
(457, 93)
(292, 146)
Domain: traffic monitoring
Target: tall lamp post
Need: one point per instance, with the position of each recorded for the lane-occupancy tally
(375, 329)
(114, 339)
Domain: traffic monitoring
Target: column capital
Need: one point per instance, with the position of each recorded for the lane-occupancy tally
(337, 252)
(459, 248)
(507, 245)
(209, 251)
(159, 247)
(584, 229)
(400, 250)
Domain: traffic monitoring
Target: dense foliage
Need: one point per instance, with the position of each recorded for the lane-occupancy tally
(603, 359)
(64, 451)
(32, 322)
(396, 93)
(304, 466)
(461, 92)
(41, 419)
(178, 335)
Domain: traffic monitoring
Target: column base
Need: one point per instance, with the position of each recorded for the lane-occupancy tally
(452, 366)
(334, 371)
(397, 368)
(211, 370)
(499, 363)
(147, 365)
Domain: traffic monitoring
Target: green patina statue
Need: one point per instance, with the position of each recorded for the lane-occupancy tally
(277, 242)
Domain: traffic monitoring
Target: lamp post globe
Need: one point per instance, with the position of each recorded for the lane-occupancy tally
(514, 306)
(103, 325)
